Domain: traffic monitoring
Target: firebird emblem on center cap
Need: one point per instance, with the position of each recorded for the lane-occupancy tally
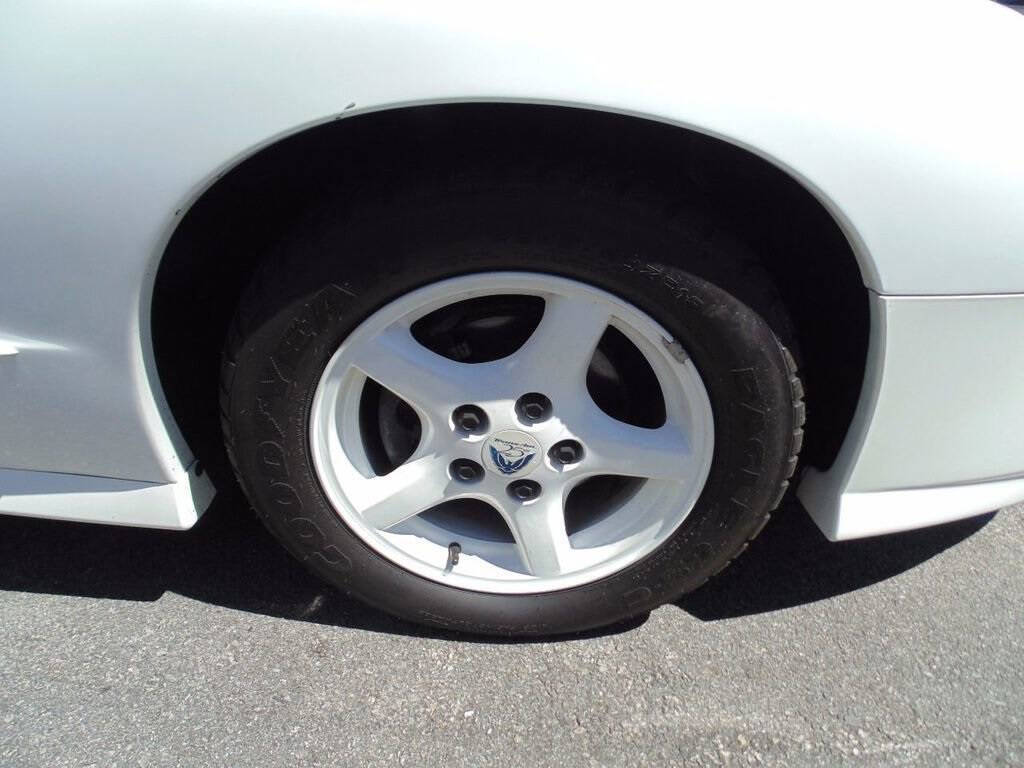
(510, 452)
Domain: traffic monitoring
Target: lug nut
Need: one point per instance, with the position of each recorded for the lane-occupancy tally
(469, 419)
(524, 490)
(465, 471)
(566, 452)
(533, 407)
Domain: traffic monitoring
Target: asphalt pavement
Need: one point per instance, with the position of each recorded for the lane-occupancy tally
(132, 647)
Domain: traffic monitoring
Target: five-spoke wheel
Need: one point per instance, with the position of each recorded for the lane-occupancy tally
(517, 435)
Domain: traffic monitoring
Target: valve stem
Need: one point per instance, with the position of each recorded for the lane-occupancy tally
(453, 556)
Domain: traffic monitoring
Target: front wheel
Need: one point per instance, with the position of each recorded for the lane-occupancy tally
(511, 411)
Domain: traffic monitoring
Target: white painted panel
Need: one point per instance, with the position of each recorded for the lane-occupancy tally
(904, 117)
(86, 499)
(873, 514)
(939, 433)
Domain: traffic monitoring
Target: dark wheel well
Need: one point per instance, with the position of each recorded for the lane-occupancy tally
(223, 237)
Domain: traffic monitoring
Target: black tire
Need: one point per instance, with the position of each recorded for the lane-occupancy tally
(687, 273)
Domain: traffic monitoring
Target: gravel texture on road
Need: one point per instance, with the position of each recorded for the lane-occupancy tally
(211, 647)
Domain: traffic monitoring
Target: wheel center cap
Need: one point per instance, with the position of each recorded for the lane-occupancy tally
(511, 453)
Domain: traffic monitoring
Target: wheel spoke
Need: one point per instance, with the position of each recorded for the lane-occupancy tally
(428, 381)
(539, 531)
(616, 448)
(564, 341)
(414, 487)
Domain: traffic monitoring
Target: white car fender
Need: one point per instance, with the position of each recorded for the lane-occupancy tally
(900, 117)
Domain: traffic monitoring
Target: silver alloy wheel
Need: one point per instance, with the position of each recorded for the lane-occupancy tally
(671, 462)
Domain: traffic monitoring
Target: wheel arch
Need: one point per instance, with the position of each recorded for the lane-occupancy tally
(812, 251)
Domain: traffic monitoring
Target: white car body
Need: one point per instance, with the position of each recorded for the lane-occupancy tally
(903, 119)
